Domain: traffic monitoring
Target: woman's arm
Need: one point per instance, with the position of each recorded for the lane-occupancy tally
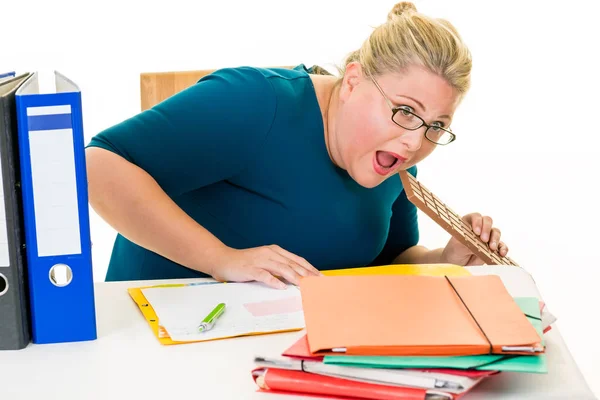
(131, 201)
(419, 255)
(189, 141)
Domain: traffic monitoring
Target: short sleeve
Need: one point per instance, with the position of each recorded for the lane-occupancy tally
(204, 134)
(404, 228)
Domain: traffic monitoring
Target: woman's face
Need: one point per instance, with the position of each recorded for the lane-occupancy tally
(368, 144)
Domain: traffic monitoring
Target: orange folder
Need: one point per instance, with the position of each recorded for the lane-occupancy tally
(407, 315)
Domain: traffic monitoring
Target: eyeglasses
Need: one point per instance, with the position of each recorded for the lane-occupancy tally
(405, 118)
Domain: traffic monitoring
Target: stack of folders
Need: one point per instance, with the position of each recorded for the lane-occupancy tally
(406, 337)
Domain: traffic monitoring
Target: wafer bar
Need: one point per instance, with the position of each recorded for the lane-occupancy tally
(444, 216)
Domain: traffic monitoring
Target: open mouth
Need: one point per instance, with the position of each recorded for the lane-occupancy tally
(384, 161)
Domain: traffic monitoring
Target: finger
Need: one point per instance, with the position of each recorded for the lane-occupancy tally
(503, 249)
(475, 221)
(298, 269)
(486, 228)
(303, 263)
(290, 267)
(264, 276)
(494, 239)
(297, 259)
(283, 267)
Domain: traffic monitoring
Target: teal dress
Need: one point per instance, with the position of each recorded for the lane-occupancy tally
(243, 153)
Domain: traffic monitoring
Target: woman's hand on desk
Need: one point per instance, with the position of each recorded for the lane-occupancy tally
(456, 253)
(261, 264)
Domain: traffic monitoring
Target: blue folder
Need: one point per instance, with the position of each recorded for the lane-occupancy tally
(7, 75)
(56, 214)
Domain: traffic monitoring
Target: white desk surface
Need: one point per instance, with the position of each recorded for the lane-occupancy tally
(128, 362)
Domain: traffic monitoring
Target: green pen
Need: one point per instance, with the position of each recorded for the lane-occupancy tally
(210, 320)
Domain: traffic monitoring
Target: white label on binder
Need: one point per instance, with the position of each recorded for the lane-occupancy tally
(54, 189)
(4, 256)
(49, 110)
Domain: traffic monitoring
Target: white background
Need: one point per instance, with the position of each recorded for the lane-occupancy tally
(528, 131)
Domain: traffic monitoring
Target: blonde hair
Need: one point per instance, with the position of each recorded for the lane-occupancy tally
(411, 38)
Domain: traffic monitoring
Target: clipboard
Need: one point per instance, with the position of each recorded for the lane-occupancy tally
(161, 333)
(150, 315)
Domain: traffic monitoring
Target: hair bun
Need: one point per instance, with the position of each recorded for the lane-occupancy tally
(404, 7)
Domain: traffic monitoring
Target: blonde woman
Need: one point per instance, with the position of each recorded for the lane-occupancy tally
(254, 173)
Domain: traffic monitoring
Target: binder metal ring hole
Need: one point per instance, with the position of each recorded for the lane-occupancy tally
(3, 285)
(61, 275)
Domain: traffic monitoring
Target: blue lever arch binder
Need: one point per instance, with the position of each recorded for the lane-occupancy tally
(7, 75)
(56, 213)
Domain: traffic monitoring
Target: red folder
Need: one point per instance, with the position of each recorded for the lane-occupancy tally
(303, 383)
(300, 349)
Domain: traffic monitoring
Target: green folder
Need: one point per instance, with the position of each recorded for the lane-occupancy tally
(509, 363)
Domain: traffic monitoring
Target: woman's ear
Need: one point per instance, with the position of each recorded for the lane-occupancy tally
(351, 79)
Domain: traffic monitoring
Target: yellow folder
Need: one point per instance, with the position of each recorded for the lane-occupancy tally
(403, 269)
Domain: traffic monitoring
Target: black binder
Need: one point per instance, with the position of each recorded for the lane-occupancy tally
(15, 328)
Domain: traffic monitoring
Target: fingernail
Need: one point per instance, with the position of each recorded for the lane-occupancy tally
(477, 230)
(485, 237)
(493, 245)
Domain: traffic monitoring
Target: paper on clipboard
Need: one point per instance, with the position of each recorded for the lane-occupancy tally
(252, 308)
